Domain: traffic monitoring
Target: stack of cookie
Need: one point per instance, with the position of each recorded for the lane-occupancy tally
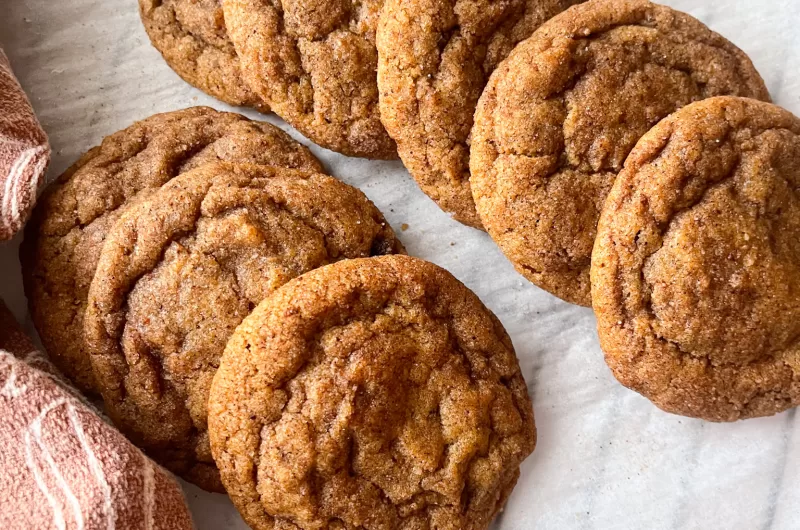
(318, 65)
(516, 117)
(694, 276)
(694, 267)
(558, 119)
(361, 386)
(312, 62)
(255, 326)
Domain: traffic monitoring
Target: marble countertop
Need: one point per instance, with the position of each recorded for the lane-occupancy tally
(606, 458)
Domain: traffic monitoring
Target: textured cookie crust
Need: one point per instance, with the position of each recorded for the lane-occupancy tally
(191, 36)
(434, 58)
(181, 270)
(560, 115)
(63, 240)
(315, 62)
(696, 268)
(372, 393)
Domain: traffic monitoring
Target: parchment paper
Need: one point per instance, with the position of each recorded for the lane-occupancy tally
(606, 457)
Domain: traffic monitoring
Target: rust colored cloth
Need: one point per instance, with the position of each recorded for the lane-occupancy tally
(61, 466)
(24, 153)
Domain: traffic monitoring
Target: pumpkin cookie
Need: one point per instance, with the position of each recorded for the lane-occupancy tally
(64, 238)
(560, 115)
(180, 271)
(372, 393)
(434, 58)
(191, 36)
(314, 62)
(696, 268)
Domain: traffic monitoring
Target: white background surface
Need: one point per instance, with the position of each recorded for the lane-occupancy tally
(606, 458)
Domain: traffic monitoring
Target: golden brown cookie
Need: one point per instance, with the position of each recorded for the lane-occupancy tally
(180, 271)
(63, 240)
(372, 393)
(314, 62)
(560, 115)
(434, 58)
(191, 36)
(696, 268)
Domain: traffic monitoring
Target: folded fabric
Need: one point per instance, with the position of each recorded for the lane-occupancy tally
(61, 466)
(24, 153)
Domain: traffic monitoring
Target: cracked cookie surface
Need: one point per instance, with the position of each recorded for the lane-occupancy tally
(696, 268)
(314, 62)
(372, 393)
(64, 237)
(435, 57)
(180, 271)
(560, 115)
(191, 36)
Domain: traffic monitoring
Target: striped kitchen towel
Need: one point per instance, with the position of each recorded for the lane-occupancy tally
(24, 153)
(61, 466)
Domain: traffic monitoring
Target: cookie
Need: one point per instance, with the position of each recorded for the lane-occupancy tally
(434, 58)
(560, 115)
(314, 62)
(372, 393)
(191, 36)
(64, 237)
(696, 268)
(181, 270)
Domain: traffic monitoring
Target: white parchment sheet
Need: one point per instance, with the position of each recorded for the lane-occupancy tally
(606, 457)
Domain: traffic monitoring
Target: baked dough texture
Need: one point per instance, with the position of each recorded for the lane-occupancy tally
(434, 59)
(696, 268)
(314, 62)
(66, 233)
(192, 38)
(559, 117)
(371, 393)
(180, 271)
